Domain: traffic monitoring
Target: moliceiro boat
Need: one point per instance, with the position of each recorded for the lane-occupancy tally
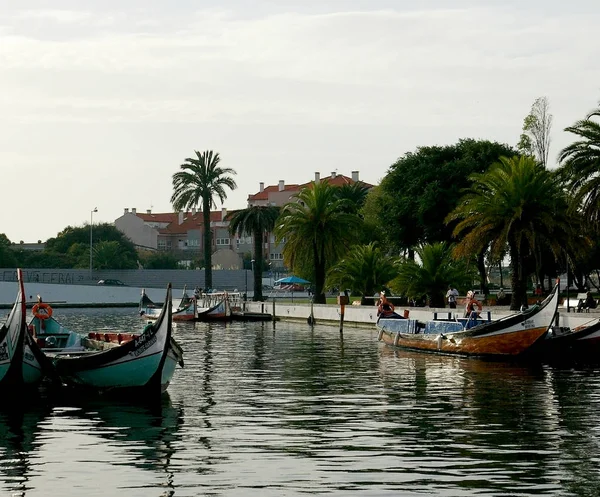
(185, 310)
(509, 336)
(142, 363)
(14, 373)
(213, 306)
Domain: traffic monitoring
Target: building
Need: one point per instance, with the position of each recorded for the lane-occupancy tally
(280, 194)
(181, 233)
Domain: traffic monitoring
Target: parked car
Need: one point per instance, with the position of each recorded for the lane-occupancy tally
(111, 283)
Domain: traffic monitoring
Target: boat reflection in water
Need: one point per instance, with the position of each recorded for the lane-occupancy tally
(132, 444)
(19, 428)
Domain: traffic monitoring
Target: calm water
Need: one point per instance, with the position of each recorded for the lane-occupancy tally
(293, 411)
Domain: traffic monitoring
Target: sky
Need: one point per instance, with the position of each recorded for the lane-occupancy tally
(101, 101)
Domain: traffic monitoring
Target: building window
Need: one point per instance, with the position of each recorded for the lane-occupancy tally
(277, 257)
(222, 241)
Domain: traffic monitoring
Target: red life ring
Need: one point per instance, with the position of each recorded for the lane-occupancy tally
(46, 311)
(389, 310)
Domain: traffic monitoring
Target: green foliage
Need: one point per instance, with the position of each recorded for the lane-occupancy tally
(256, 220)
(363, 270)
(516, 204)
(71, 248)
(4, 241)
(431, 273)
(535, 139)
(580, 168)
(317, 231)
(112, 255)
(423, 186)
(353, 196)
(196, 184)
(159, 260)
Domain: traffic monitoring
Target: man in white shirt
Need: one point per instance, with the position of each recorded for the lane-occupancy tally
(451, 296)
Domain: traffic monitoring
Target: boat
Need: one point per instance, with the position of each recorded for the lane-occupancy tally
(581, 343)
(509, 336)
(133, 362)
(214, 306)
(12, 338)
(185, 310)
(211, 306)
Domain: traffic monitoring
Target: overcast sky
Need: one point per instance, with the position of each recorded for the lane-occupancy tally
(101, 101)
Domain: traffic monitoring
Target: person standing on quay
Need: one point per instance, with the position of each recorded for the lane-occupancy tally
(451, 296)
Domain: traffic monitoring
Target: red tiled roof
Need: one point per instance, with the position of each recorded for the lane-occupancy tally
(190, 221)
(264, 195)
(339, 180)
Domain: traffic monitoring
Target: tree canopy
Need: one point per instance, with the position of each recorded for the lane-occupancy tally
(422, 187)
(198, 182)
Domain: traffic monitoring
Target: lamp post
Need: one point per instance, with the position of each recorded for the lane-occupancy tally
(91, 239)
(252, 262)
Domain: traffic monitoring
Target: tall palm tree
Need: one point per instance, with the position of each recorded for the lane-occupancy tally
(256, 220)
(354, 194)
(197, 183)
(431, 272)
(363, 269)
(316, 231)
(515, 204)
(580, 166)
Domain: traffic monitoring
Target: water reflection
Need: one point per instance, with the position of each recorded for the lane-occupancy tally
(18, 430)
(104, 433)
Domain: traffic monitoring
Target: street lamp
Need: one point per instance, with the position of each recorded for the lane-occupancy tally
(91, 224)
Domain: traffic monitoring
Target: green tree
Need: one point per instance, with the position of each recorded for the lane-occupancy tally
(256, 220)
(363, 270)
(354, 196)
(112, 255)
(159, 260)
(580, 167)
(535, 139)
(197, 183)
(316, 230)
(423, 186)
(7, 254)
(516, 204)
(431, 272)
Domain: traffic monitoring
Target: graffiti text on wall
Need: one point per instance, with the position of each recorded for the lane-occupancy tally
(44, 277)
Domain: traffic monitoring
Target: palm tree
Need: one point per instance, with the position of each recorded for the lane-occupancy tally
(256, 220)
(363, 270)
(580, 167)
(515, 204)
(354, 194)
(431, 272)
(199, 180)
(316, 232)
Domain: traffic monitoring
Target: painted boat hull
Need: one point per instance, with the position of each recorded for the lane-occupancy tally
(510, 336)
(144, 363)
(12, 340)
(565, 344)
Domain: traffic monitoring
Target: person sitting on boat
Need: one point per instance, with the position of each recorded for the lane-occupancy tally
(385, 309)
(472, 306)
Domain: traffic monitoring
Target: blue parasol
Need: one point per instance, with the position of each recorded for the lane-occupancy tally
(292, 280)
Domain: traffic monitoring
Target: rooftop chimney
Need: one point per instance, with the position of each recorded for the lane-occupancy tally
(333, 174)
(281, 185)
(133, 211)
(126, 210)
(355, 176)
(261, 187)
(317, 177)
(193, 211)
(180, 217)
(148, 211)
(223, 213)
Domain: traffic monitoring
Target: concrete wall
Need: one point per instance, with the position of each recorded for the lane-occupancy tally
(229, 280)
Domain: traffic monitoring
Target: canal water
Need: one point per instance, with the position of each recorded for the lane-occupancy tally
(286, 410)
